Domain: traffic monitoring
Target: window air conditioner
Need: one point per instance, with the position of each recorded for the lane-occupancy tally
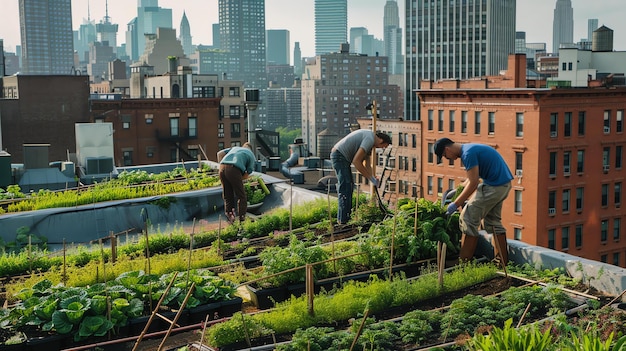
(552, 211)
(553, 134)
(605, 168)
(519, 173)
(607, 130)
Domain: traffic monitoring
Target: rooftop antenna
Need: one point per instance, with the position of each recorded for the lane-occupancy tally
(88, 12)
(106, 12)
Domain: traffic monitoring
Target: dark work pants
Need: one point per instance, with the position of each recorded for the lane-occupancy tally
(233, 191)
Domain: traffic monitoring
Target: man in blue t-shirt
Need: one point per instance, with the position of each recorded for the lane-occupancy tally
(481, 162)
(236, 164)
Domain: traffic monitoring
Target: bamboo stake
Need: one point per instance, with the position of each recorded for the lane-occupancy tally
(393, 236)
(358, 333)
(523, 315)
(310, 289)
(113, 240)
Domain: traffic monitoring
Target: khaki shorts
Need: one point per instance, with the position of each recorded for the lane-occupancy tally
(484, 207)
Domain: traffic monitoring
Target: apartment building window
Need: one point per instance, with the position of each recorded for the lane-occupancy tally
(148, 118)
(400, 139)
(431, 119)
(406, 163)
(552, 202)
(193, 151)
(579, 235)
(618, 156)
(451, 184)
(551, 234)
(617, 196)
(220, 145)
(580, 161)
(430, 153)
(604, 230)
(519, 158)
(605, 195)
(580, 195)
(193, 126)
(235, 130)
(234, 111)
(616, 258)
(519, 124)
(607, 121)
(606, 153)
(565, 238)
(429, 185)
(518, 201)
(125, 121)
(439, 186)
(565, 200)
(517, 233)
(552, 164)
(463, 121)
(128, 157)
(619, 121)
(477, 122)
(220, 131)
(451, 121)
(414, 164)
(603, 258)
(440, 120)
(554, 119)
(567, 155)
(491, 124)
(567, 124)
(174, 126)
(413, 141)
(233, 91)
(581, 123)
(617, 227)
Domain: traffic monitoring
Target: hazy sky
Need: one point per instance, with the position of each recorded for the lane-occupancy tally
(533, 16)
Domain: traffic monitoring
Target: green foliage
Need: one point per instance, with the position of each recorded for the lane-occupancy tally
(287, 137)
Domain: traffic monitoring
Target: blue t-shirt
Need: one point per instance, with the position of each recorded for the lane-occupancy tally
(491, 166)
(240, 157)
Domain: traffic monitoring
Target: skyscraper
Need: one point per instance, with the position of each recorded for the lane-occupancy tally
(331, 25)
(47, 38)
(393, 37)
(278, 47)
(479, 36)
(592, 25)
(563, 25)
(149, 17)
(297, 60)
(242, 34)
(185, 35)
(107, 31)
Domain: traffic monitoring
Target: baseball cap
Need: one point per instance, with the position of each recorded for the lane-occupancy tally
(440, 146)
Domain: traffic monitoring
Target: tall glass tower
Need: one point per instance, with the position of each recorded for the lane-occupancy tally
(455, 39)
(278, 47)
(149, 17)
(47, 37)
(331, 25)
(563, 25)
(185, 35)
(393, 37)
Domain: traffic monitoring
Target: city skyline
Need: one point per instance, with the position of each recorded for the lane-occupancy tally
(533, 17)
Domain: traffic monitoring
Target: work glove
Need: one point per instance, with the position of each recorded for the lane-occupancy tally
(452, 207)
(374, 181)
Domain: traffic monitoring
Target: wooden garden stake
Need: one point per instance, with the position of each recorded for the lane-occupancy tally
(393, 236)
(358, 193)
(441, 261)
(309, 287)
(245, 329)
(523, 315)
(219, 235)
(64, 277)
(104, 264)
(415, 221)
(291, 206)
(113, 240)
(206, 321)
(358, 333)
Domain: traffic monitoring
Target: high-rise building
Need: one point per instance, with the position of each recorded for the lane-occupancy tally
(393, 37)
(2, 69)
(242, 34)
(334, 101)
(278, 47)
(592, 25)
(47, 38)
(355, 34)
(297, 59)
(480, 36)
(331, 25)
(185, 35)
(149, 17)
(107, 31)
(563, 25)
(86, 34)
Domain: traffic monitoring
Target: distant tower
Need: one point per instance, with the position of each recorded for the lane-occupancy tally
(2, 65)
(277, 47)
(356, 34)
(493, 40)
(331, 25)
(393, 37)
(216, 35)
(563, 25)
(149, 17)
(47, 38)
(592, 25)
(185, 35)
(297, 60)
(107, 31)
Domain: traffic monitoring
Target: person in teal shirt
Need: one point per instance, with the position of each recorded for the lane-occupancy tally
(236, 164)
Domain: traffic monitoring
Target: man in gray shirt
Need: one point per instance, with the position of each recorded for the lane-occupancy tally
(354, 149)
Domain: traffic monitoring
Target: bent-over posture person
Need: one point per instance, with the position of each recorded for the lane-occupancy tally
(481, 162)
(236, 164)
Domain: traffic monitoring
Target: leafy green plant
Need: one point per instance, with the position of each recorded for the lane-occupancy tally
(508, 338)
